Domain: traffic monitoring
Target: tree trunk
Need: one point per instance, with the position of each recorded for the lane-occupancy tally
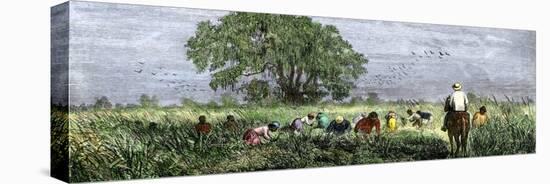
(293, 96)
(290, 85)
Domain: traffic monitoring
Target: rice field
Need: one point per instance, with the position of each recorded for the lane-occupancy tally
(133, 143)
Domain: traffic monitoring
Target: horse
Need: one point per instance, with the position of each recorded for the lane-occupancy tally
(457, 130)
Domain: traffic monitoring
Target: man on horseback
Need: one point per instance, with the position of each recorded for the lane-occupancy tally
(456, 102)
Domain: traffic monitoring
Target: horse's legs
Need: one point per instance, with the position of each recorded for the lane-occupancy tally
(452, 143)
(458, 143)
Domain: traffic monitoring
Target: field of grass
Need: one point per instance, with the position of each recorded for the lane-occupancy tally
(132, 143)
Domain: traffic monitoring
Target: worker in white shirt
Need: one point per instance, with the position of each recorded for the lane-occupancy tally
(298, 123)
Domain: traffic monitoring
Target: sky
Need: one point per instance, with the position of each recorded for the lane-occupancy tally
(123, 51)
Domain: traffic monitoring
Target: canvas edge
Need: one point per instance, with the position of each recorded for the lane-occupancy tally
(59, 88)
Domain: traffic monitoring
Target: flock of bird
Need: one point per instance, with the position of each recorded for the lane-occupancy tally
(394, 74)
(169, 78)
(429, 54)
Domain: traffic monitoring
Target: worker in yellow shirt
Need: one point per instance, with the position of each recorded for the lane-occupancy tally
(391, 119)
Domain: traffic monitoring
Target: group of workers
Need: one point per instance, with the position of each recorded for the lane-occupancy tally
(362, 124)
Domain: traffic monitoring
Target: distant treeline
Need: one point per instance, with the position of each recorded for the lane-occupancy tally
(146, 101)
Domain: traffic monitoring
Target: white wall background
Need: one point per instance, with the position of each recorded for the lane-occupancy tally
(24, 95)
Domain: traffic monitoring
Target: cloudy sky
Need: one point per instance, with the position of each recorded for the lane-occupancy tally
(123, 51)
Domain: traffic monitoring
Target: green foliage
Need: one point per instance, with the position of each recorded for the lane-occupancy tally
(307, 60)
(373, 98)
(103, 103)
(189, 103)
(229, 101)
(212, 104)
(257, 90)
(146, 101)
(513, 131)
(59, 146)
(154, 142)
(356, 100)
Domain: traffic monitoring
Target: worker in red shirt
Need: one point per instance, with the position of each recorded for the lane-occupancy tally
(203, 127)
(252, 135)
(366, 124)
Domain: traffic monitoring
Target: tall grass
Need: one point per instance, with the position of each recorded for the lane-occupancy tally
(59, 147)
(511, 130)
(154, 142)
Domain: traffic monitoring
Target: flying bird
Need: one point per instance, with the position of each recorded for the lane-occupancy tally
(446, 53)
(138, 71)
(141, 63)
(153, 73)
(413, 53)
(431, 52)
(441, 53)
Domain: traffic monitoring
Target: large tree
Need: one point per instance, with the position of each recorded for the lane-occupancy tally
(305, 59)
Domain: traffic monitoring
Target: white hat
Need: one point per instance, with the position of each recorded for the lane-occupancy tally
(457, 86)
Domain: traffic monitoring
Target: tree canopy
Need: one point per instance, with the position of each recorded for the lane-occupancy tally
(304, 60)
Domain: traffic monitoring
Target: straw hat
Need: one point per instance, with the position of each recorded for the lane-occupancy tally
(311, 115)
(457, 86)
(339, 119)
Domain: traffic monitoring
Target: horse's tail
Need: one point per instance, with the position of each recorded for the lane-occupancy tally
(465, 126)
